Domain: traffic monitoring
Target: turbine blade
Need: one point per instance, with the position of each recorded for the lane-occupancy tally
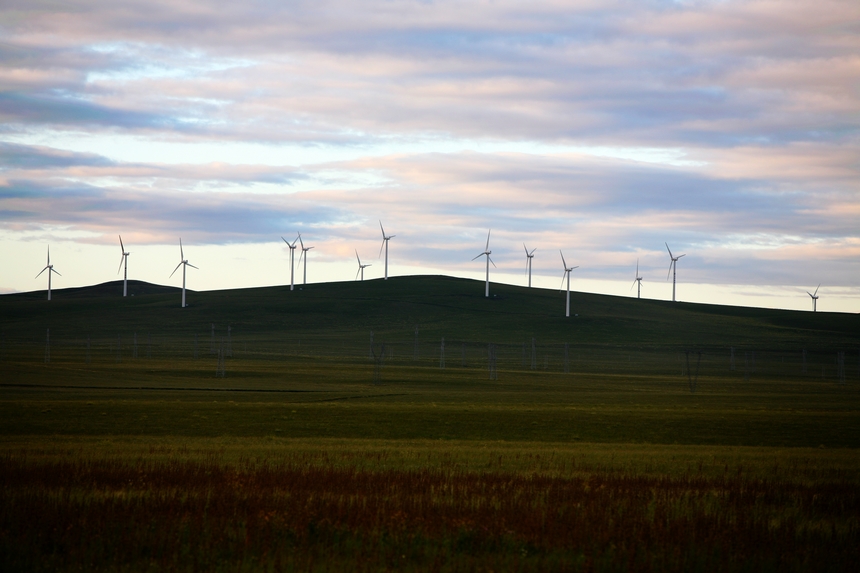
(53, 270)
(670, 269)
(309, 248)
(382, 246)
(284, 240)
(481, 255)
(356, 273)
(670, 250)
(176, 269)
(818, 287)
(679, 256)
(121, 246)
(121, 259)
(561, 286)
(487, 248)
(301, 241)
(358, 258)
(491, 260)
(181, 252)
(40, 272)
(192, 266)
(49, 256)
(637, 269)
(381, 228)
(562, 259)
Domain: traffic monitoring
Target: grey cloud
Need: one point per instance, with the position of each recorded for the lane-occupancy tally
(18, 156)
(633, 72)
(67, 109)
(216, 218)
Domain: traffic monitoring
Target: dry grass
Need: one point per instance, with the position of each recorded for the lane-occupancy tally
(356, 506)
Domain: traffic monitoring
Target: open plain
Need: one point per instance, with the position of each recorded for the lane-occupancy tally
(413, 424)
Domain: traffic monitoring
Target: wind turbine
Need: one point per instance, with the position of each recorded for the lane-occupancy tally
(305, 255)
(50, 268)
(360, 267)
(292, 247)
(529, 257)
(673, 267)
(638, 279)
(385, 239)
(566, 274)
(487, 252)
(123, 262)
(183, 262)
(814, 296)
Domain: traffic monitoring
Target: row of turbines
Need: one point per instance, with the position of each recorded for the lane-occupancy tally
(183, 262)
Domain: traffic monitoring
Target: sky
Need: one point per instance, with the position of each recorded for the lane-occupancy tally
(602, 129)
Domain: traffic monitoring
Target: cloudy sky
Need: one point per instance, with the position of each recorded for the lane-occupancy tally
(727, 129)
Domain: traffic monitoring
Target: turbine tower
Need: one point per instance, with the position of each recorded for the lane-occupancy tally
(50, 268)
(673, 267)
(123, 262)
(487, 252)
(292, 247)
(183, 262)
(566, 274)
(305, 255)
(638, 280)
(385, 239)
(360, 267)
(814, 296)
(529, 257)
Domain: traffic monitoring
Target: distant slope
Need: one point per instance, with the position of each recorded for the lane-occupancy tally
(439, 306)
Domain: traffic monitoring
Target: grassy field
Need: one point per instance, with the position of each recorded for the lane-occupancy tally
(345, 435)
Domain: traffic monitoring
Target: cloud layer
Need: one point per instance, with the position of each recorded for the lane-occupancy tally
(729, 129)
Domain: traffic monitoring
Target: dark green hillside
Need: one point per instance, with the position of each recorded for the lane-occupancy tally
(438, 306)
(511, 367)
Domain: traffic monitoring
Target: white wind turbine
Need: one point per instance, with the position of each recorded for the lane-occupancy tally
(305, 255)
(814, 296)
(566, 274)
(292, 247)
(385, 239)
(123, 262)
(673, 267)
(183, 262)
(529, 257)
(361, 267)
(487, 252)
(638, 279)
(50, 268)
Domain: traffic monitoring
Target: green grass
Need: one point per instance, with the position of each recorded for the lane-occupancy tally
(755, 469)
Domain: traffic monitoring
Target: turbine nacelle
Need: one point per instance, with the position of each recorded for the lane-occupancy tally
(673, 266)
(529, 256)
(183, 262)
(814, 297)
(566, 275)
(384, 245)
(361, 267)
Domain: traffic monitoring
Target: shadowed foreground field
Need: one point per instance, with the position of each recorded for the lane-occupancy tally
(322, 505)
(413, 425)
